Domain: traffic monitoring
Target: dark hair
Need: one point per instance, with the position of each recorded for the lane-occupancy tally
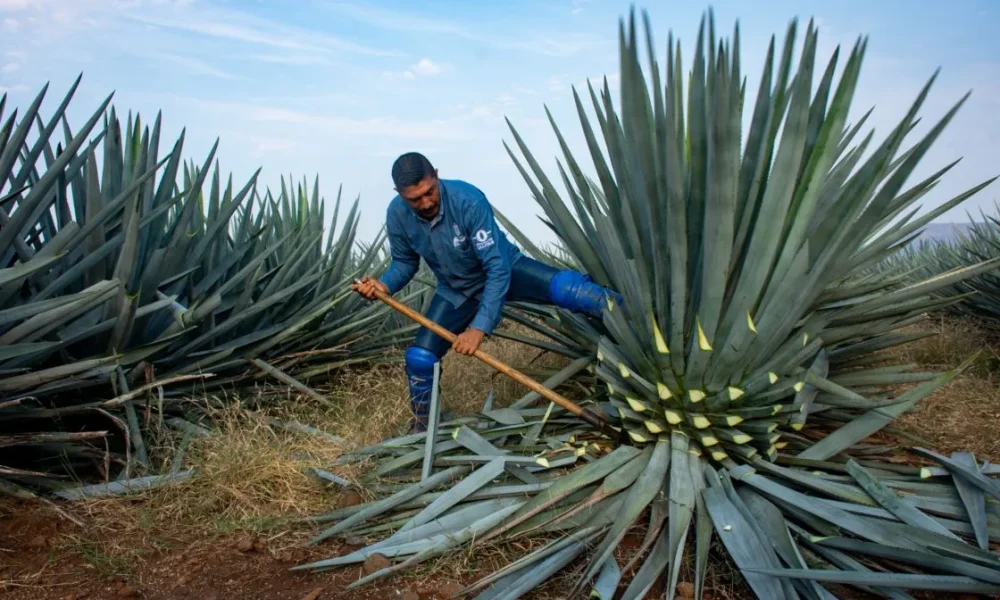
(410, 169)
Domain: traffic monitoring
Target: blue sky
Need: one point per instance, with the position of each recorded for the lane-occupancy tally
(339, 89)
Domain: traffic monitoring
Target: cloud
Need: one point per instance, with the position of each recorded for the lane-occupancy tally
(14, 4)
(10, 25)
(424, 68)
(261, 146)
(193, 65)
(557, 44)
(556, 84)
(10, 68)
(340, 127)
(14, 89)
(399, 75)
(236, 26)
(491, 110)
(287, 59)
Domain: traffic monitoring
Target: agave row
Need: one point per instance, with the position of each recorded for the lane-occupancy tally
(744, 363)
(131, 280)
(976, 297)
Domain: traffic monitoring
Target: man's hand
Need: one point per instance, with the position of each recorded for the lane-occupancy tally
(367, 286)
(468, 342)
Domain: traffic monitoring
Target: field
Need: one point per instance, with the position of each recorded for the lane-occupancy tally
(776, 387)
(231, 533)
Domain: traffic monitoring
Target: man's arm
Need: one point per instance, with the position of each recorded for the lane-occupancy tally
(405, 261)
(484, 236)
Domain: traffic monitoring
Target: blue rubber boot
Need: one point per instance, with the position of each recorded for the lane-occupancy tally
(420, 378)
(577, 292)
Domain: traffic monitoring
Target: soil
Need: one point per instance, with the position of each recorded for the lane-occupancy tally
(39, 560)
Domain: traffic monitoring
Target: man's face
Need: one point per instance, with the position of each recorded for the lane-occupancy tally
(423, 197)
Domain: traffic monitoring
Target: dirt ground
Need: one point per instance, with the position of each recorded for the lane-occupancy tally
(44, 562)
(232, 533)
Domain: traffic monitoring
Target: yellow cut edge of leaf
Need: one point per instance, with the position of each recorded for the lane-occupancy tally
(703, 342)
(637, 436)
(635, 404)
(661, 344)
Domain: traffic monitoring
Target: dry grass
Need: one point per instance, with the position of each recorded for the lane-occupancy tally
(961, 415)
(253, 476)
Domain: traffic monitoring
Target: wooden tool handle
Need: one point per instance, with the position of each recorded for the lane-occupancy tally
(589, 416)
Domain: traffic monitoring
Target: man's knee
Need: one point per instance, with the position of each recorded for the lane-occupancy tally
(575, 291)
(420, 361)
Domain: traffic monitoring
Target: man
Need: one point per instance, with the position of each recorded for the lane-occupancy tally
(450, 224)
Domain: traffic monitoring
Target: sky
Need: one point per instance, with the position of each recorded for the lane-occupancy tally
(338, 89)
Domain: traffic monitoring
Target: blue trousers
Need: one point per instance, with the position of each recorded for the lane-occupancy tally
(530, 281)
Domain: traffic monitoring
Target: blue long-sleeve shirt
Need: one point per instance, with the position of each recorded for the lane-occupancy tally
(462, 245)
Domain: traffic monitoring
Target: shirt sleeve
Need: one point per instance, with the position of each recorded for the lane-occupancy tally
(405, 261)
(484, 233)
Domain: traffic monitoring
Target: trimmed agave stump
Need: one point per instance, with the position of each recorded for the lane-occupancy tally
(743, 364)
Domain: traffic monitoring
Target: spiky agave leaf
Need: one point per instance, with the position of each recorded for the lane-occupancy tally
(121, 268)
(738, 361)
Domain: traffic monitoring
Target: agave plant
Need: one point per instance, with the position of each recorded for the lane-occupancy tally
(975, 297)
(125, 273)
(743, 362)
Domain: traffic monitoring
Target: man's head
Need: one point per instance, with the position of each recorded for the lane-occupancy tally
(416, 181)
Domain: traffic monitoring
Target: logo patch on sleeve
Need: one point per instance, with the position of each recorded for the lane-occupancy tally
(483, 239)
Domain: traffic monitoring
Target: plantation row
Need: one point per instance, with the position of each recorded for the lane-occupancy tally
(743, 367)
